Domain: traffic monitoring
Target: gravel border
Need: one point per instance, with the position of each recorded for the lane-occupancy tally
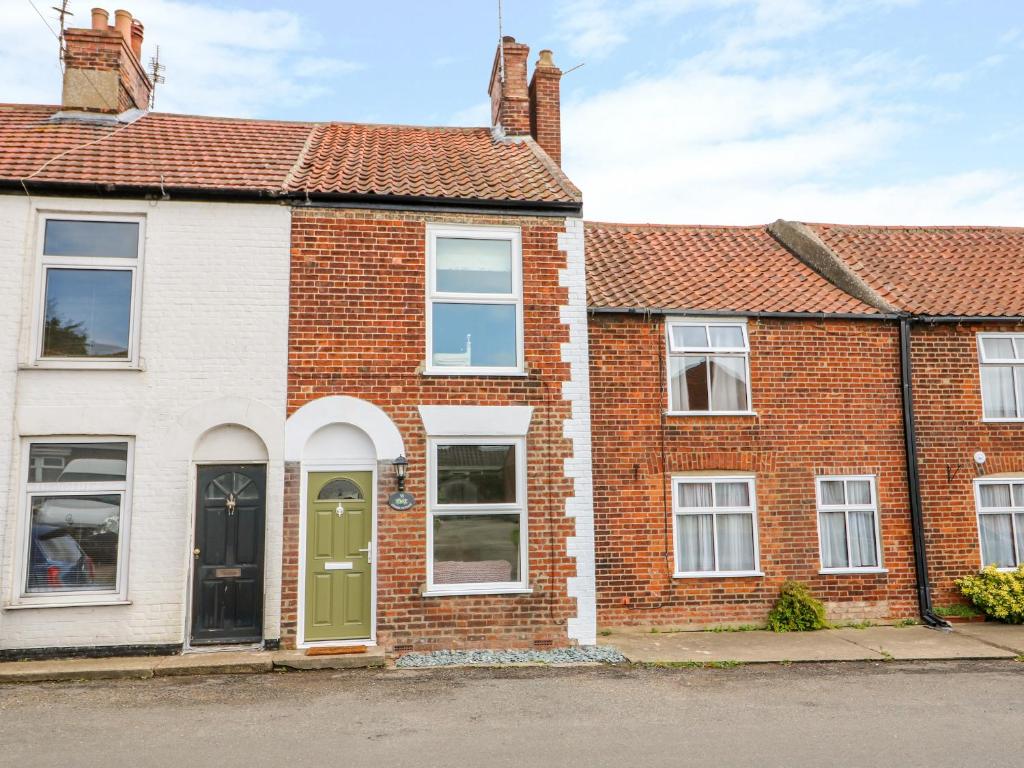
(597, 653)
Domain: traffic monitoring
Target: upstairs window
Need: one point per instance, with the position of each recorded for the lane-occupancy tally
(708, 367)
(1001, 521)
(1002, 375)
(475, 301)
(89, 278)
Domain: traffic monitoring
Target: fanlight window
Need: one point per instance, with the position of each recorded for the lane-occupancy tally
(339, 489)
(232, 485)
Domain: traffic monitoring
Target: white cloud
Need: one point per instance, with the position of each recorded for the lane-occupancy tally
(219, 60)
(751, 129)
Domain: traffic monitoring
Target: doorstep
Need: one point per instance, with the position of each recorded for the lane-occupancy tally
(219, 663)
(882, 643)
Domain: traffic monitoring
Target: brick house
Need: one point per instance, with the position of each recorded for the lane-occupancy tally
(440, 319)
(961, 291)
(225, 337)
(747, 428)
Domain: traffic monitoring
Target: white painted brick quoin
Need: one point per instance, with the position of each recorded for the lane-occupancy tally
(580, 506)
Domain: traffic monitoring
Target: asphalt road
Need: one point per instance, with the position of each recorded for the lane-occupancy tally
(856, 714)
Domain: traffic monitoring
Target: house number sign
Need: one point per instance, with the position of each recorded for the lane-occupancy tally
(402, 500)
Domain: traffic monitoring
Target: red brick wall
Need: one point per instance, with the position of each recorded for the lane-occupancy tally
(947, 404)
(827, 395)
(357, 328)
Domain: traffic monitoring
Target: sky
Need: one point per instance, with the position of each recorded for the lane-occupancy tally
(683, 111)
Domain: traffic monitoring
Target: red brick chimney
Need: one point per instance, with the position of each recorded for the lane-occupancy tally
(546, 106)
(510, 102)
(103, 70)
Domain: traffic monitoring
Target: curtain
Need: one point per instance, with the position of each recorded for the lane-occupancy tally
(728, 384)
(997, 391)
(858, 492)
(996, 540)
(695, 495)
(696, 543)
(863, 552)
(736, 542)
(732, 494)
(832, 492)
(994, 495)
(1019, 524)
(833, 540)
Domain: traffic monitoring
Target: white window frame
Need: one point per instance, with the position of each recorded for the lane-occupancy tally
(1017, 368)
(515, 298)
(518, 507)
(672, 350)
(714, 511)
(21, 597)
(1011, 511)
(847, 508)
(44, 263)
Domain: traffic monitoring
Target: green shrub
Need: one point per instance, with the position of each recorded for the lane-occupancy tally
(796, 610)
(997, 594)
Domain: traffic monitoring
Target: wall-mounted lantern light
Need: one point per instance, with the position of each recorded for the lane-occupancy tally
(401, 465)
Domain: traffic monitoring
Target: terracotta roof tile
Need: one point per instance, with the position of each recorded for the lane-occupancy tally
(271, 157)
(741, 269)
(960, 271)
(400, 160)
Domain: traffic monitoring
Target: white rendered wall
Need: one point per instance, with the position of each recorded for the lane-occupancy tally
(213, 343)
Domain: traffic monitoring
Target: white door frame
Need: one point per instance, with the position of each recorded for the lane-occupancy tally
(364, 465)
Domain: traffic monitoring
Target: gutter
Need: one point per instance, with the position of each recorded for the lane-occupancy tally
(297, 198)
(969, 318)
(924, 595)
(739, 313)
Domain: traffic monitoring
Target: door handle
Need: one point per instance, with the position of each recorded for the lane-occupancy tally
(195, 553)
(367, 549)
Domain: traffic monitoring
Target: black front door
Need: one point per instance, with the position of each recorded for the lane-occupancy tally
(227, 591)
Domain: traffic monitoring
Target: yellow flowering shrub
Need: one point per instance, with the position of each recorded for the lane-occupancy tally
(997, 594)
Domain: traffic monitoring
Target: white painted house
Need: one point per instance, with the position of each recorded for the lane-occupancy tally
(144, 346)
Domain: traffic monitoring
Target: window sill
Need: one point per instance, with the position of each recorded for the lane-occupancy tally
(1003, 421)
(719, 575)
(711, 413)
(478, 591)
(28, 604)
(851, 571)
(80, 365)
(469, 372)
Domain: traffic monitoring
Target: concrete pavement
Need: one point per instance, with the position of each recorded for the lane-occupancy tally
(920, 715)
(212, 663)
(968, 641)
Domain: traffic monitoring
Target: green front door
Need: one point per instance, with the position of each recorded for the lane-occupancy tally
(339, 529)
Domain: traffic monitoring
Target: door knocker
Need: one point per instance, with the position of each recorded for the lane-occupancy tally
(340, 510)
(231, 503)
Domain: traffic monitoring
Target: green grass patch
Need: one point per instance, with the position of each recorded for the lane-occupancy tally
(900, 623)
(604, 632)
(960, 610)
(854, 625)
(726, 664)
(737, 628)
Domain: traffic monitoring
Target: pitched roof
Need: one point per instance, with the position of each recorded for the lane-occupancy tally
(938, 271)
(739, 269)
(273, 158)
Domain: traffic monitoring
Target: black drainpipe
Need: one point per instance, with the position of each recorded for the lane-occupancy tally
(924, 595)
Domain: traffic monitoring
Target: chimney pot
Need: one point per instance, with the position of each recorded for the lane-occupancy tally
(100, 18)
(546, 59)
(123, 24)
(138, 32)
